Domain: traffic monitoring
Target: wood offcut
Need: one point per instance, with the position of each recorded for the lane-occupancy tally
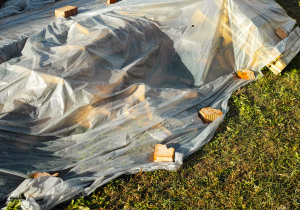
(277, 66)
(111, 1)
(66, 11)
(162, 154)
(209, 114)
(41, 174)
(246, 74)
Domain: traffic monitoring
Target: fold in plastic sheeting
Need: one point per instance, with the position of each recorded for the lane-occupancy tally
(90, 96)
(14, 7)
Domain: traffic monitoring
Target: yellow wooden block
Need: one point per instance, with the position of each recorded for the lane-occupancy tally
(111, 1)
(208, 114)
(277, 66)
(62, 12)
(162, 154)
(41, 174)
(246, 74)
(74, 10)
(66, 11)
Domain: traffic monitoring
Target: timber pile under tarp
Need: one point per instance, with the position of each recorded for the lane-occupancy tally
(89, 96)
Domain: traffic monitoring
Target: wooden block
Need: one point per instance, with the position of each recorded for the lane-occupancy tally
(41, 174)
(66, 11)
(280, 32)
(208, 114)
(277, 66)
(280, 64)
(61, 12)
(73, 10)
(111, 1)
(245, 74)
(162, 154)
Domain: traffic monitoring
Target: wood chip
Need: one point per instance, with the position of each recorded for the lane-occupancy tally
(162, 154)
(41, 174)
(208, 114)
(66, 11)
(246, 74)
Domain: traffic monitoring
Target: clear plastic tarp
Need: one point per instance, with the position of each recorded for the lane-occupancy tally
(90, 96)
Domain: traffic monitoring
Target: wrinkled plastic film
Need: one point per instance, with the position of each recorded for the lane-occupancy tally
(90, 96)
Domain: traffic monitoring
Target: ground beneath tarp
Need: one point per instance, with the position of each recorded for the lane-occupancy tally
(2, 3)
(292, 8)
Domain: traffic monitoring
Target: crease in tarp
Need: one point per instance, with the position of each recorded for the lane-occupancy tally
(90, 96)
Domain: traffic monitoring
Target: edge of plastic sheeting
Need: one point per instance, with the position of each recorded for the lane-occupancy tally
(42, 193)
(45, 192)
(29, 204)
(292, 47)
(289, 25)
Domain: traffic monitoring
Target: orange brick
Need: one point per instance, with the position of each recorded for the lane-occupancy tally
(208, 114)
(162, 154)
(245, 74)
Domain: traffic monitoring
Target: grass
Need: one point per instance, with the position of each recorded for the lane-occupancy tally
(252, 162)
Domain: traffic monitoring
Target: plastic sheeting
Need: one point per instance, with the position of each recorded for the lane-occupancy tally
(90, 96)
(14, 7)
